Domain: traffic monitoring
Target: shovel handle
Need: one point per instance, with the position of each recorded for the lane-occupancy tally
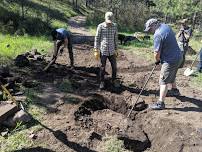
(8, 93)
(142, 89)
(195, 58)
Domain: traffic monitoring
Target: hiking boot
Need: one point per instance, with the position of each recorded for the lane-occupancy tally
(160, 105)
(102, 85)
(173, 92)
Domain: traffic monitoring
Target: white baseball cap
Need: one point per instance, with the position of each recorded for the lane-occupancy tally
(108, 17)
(149, 23)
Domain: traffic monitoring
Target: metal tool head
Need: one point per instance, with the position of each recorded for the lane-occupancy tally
(189, 72)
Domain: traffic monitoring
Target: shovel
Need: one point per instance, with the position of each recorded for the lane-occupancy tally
(133, 106)
(189, 71)
(11, 97)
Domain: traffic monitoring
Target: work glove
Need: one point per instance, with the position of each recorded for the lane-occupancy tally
(96, 54)
(116, 53)
(157, 62)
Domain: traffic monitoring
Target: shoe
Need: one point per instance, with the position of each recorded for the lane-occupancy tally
(102, 85)
(157, 106)
(173, 92)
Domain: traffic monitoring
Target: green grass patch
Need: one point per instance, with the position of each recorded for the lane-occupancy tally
(197, 81)
(15, 141)
(11, 46)
(140, 48)
(112, 144)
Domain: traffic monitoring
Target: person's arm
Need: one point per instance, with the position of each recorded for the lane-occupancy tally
(97, 38)
(116, 38)
(157, 48)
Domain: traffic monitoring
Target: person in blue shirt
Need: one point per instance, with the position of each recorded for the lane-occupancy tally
(168, 53)
(62, 39)
(200, 62)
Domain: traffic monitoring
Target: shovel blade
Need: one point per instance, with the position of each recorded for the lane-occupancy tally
(188, 72)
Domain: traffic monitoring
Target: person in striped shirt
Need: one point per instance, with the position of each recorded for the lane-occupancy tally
(106, 40)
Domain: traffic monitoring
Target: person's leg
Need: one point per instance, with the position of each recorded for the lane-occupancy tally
(103, 60)
(183, 49)
(112, 60)
(71, 55)
(163, 92)
(163, 82)
(174, 90)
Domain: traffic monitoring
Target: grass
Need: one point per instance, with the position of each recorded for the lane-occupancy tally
(197, 81)
(15, 141)
(140, 48)
(53, 14)
(112, 144)
(11, 46)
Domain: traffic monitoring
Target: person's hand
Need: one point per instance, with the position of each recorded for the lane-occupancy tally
(96, 54)
(157, 62)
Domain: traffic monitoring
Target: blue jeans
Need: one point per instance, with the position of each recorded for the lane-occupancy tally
(200, 62)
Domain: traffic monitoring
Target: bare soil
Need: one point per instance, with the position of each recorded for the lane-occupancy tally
(79, 119)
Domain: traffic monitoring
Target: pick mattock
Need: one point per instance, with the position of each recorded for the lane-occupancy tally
(11, 97)
(190, 71)
(133, 105)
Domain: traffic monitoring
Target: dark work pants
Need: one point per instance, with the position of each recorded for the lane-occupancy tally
(59, 43)
(184, 48)
(112, 60)
(200, 62)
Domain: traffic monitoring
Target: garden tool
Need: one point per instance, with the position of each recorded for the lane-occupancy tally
(189, 71)
(136, 102)
(11, 97)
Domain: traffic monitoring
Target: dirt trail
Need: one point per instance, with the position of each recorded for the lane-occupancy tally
(80, 118)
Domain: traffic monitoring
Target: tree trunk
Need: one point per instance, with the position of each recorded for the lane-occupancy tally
(194, 20)
(22, 9)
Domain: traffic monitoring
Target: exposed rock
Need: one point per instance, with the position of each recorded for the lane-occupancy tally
(7, 110)
(22, 116)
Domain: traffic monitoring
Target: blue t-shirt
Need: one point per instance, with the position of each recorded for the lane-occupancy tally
(62, 34)
(166, 43)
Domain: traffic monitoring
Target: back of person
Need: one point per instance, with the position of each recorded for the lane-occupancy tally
(170, 52)
(62, 34)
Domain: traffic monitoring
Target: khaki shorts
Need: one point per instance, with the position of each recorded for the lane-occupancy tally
(168, 72)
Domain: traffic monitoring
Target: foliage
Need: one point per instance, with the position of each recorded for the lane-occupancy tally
(177, 9)
(127, 19)
(34, 17)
